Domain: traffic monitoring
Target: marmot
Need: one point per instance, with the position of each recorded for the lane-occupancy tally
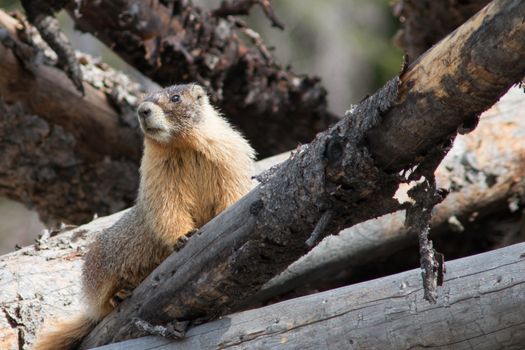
(194, 166)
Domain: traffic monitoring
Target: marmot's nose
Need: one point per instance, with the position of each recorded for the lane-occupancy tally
(144, 111)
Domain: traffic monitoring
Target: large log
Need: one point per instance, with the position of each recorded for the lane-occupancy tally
(67, 156)
(484, 171)
(235, 253)
(481, 308)
(180, 42)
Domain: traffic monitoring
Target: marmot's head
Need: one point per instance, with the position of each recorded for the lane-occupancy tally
(172, 111)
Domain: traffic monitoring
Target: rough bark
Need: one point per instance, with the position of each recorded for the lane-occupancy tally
(179, 42)
(450, 85)
(482, 308)
(425, 22)
(67, 156)
(234, 254)
(484, 172)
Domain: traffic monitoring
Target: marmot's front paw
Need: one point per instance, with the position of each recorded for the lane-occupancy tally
(181, 242)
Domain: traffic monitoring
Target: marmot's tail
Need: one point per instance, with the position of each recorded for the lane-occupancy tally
(65, 335)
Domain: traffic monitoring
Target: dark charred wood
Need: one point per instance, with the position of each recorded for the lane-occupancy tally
(386, 313)
(484, 172)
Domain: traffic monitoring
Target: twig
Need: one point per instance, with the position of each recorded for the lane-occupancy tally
(242, 7)
(319, 228)
(254, 37)
(268, 11)
(41, 16)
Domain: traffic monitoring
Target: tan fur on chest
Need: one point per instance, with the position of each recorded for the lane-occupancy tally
(183, 188)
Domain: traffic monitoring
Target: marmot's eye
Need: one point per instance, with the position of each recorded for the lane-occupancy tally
(175, 98)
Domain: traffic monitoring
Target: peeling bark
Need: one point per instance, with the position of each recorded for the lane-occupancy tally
(484, 172)
(257, 237)
(66, 156)
(42, 280)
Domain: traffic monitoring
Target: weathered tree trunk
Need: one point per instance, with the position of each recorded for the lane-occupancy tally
(481, 308)
(238, 251)
(180, 42)
(484, 171)
(65, 155)
(255, 229)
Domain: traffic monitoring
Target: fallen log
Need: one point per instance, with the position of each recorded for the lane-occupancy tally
(67, 156)
(42, 281)
(47, 91)
(482, 308)
(234, 254)
(485, 173)
(62, 290)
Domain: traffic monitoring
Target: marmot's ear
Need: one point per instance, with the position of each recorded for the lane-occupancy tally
(198, 91)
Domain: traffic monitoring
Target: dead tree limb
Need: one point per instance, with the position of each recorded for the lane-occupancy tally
(243, 7)
(180, 42)
(42, 16)
(425, 22)
(484, 172)
(48, 92)
(482, 308)
(238, 251)
(65, 155)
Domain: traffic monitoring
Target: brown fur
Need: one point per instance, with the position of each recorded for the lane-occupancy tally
(194, 166)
